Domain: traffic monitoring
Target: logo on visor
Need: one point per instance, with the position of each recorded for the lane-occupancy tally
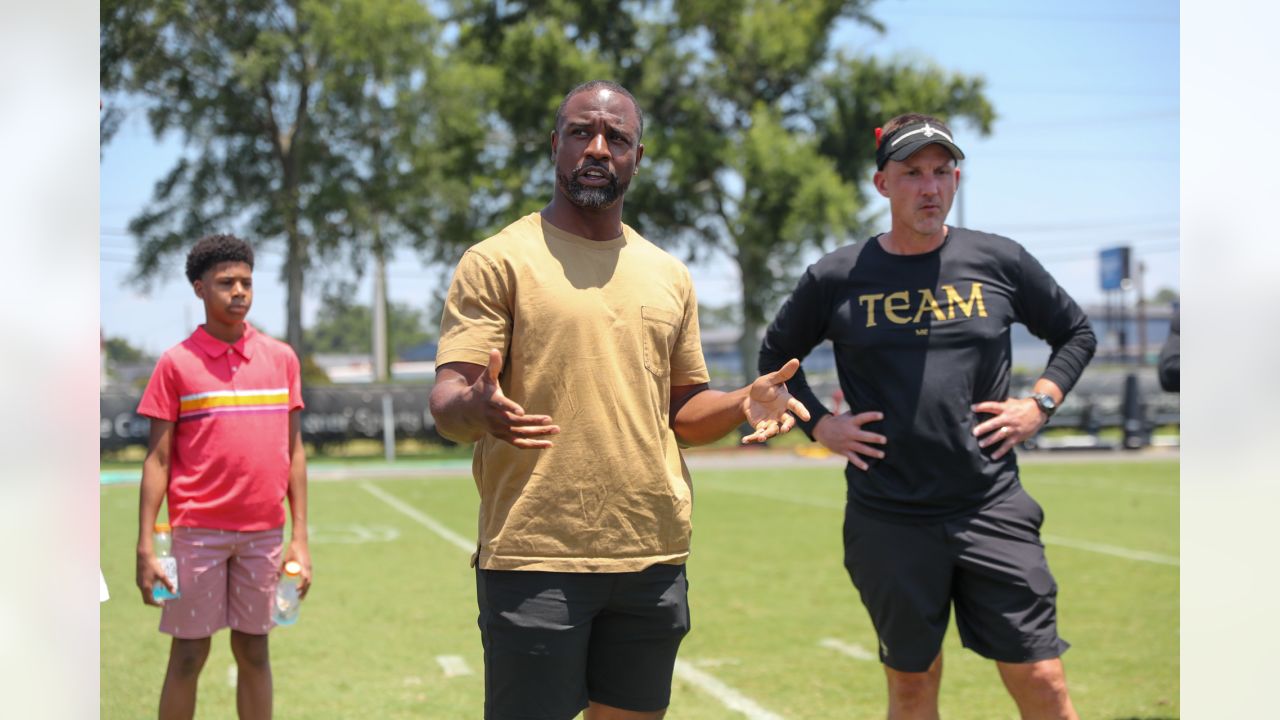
(928, 130)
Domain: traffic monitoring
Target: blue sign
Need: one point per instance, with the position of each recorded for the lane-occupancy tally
(1114, 263)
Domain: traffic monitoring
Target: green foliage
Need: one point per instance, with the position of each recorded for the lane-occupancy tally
(1165, 296)
(762, 142)
(345, 326)
(313, 374)
(118, 350)
(280, 105)
(849, 101)
(531, 54)
(710, 316)
(353, 129)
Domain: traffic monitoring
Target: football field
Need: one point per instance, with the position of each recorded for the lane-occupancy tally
(778, 631)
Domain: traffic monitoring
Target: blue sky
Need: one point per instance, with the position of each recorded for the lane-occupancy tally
(1083, 156)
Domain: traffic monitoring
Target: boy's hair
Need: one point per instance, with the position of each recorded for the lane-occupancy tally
(214, 249)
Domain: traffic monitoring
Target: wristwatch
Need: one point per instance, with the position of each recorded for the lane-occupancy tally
(1045, 403)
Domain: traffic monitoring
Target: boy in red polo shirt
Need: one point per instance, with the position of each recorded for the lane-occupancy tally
(226, 449)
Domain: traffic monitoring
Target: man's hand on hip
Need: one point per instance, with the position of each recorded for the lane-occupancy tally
(843, 435)
(1016, 420)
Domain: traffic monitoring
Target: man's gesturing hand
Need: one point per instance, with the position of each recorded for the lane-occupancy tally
(503, 418)
(769, 406)
(843, 435)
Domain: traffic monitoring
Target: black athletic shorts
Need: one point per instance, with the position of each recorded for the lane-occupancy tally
(991, 565)
(553, 640)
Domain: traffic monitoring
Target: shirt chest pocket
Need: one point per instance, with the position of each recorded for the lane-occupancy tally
(660, 327)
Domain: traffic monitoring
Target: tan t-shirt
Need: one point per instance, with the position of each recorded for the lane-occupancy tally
(594, 334)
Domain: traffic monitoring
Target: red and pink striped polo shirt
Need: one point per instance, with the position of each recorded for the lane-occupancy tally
(229, 463)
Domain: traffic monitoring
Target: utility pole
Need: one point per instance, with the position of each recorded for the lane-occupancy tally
(1142, 315)
(382, 373)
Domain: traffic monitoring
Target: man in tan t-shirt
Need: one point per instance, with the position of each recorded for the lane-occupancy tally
(569, 352)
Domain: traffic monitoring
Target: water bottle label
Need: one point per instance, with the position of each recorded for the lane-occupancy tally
(287, 604)
(160, 592)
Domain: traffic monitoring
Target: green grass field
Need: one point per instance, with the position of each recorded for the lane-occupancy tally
(770, 600)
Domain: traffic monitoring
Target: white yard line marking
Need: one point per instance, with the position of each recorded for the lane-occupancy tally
(1101, 548)
(1111, 550)
(232, 675)
(426, 520)
(453, 665)
(731, 698)
(853, 650)
(715, 662)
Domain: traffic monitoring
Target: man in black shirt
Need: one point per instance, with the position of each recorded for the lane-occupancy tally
(920, 321)
(1170, 355)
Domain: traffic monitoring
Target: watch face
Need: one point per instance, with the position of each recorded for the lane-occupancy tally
(1045, 402)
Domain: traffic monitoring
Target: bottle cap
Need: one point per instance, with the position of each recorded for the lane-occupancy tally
(162, 527)
(293, 567)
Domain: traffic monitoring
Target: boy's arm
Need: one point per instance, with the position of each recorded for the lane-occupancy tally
(155, 482)
(298, 549)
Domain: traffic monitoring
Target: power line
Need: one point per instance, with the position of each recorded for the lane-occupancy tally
(917, 12)
(1173, 114)
(1038, 153)
(1091, 224)
(1068, 255)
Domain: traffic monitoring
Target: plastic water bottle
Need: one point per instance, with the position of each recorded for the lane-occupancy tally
(162, 542)
(288, 603)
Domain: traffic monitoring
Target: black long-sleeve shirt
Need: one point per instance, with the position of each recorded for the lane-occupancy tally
(1170, 355)
(921, 338)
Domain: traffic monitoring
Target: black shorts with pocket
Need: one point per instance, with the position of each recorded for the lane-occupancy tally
(554, 640)
(990, 564)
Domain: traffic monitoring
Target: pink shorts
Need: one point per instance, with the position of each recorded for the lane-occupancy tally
(226, 579)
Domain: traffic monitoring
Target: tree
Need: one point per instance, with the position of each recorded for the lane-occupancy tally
(721, 164)
(762, 143)
(119, 350)
(743, 107)
(849, 101)
(255, 89)
(343, 325)
(719, 316)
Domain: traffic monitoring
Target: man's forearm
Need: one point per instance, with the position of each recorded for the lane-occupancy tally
(1048, 387)
(1067, 361)
(453, 412)
(710, 415)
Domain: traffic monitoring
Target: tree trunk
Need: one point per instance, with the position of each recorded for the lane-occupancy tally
(294, 260)
(381, 351)
(749, 341)
(749, 349)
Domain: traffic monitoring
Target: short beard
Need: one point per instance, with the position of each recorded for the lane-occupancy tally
(591, 198)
